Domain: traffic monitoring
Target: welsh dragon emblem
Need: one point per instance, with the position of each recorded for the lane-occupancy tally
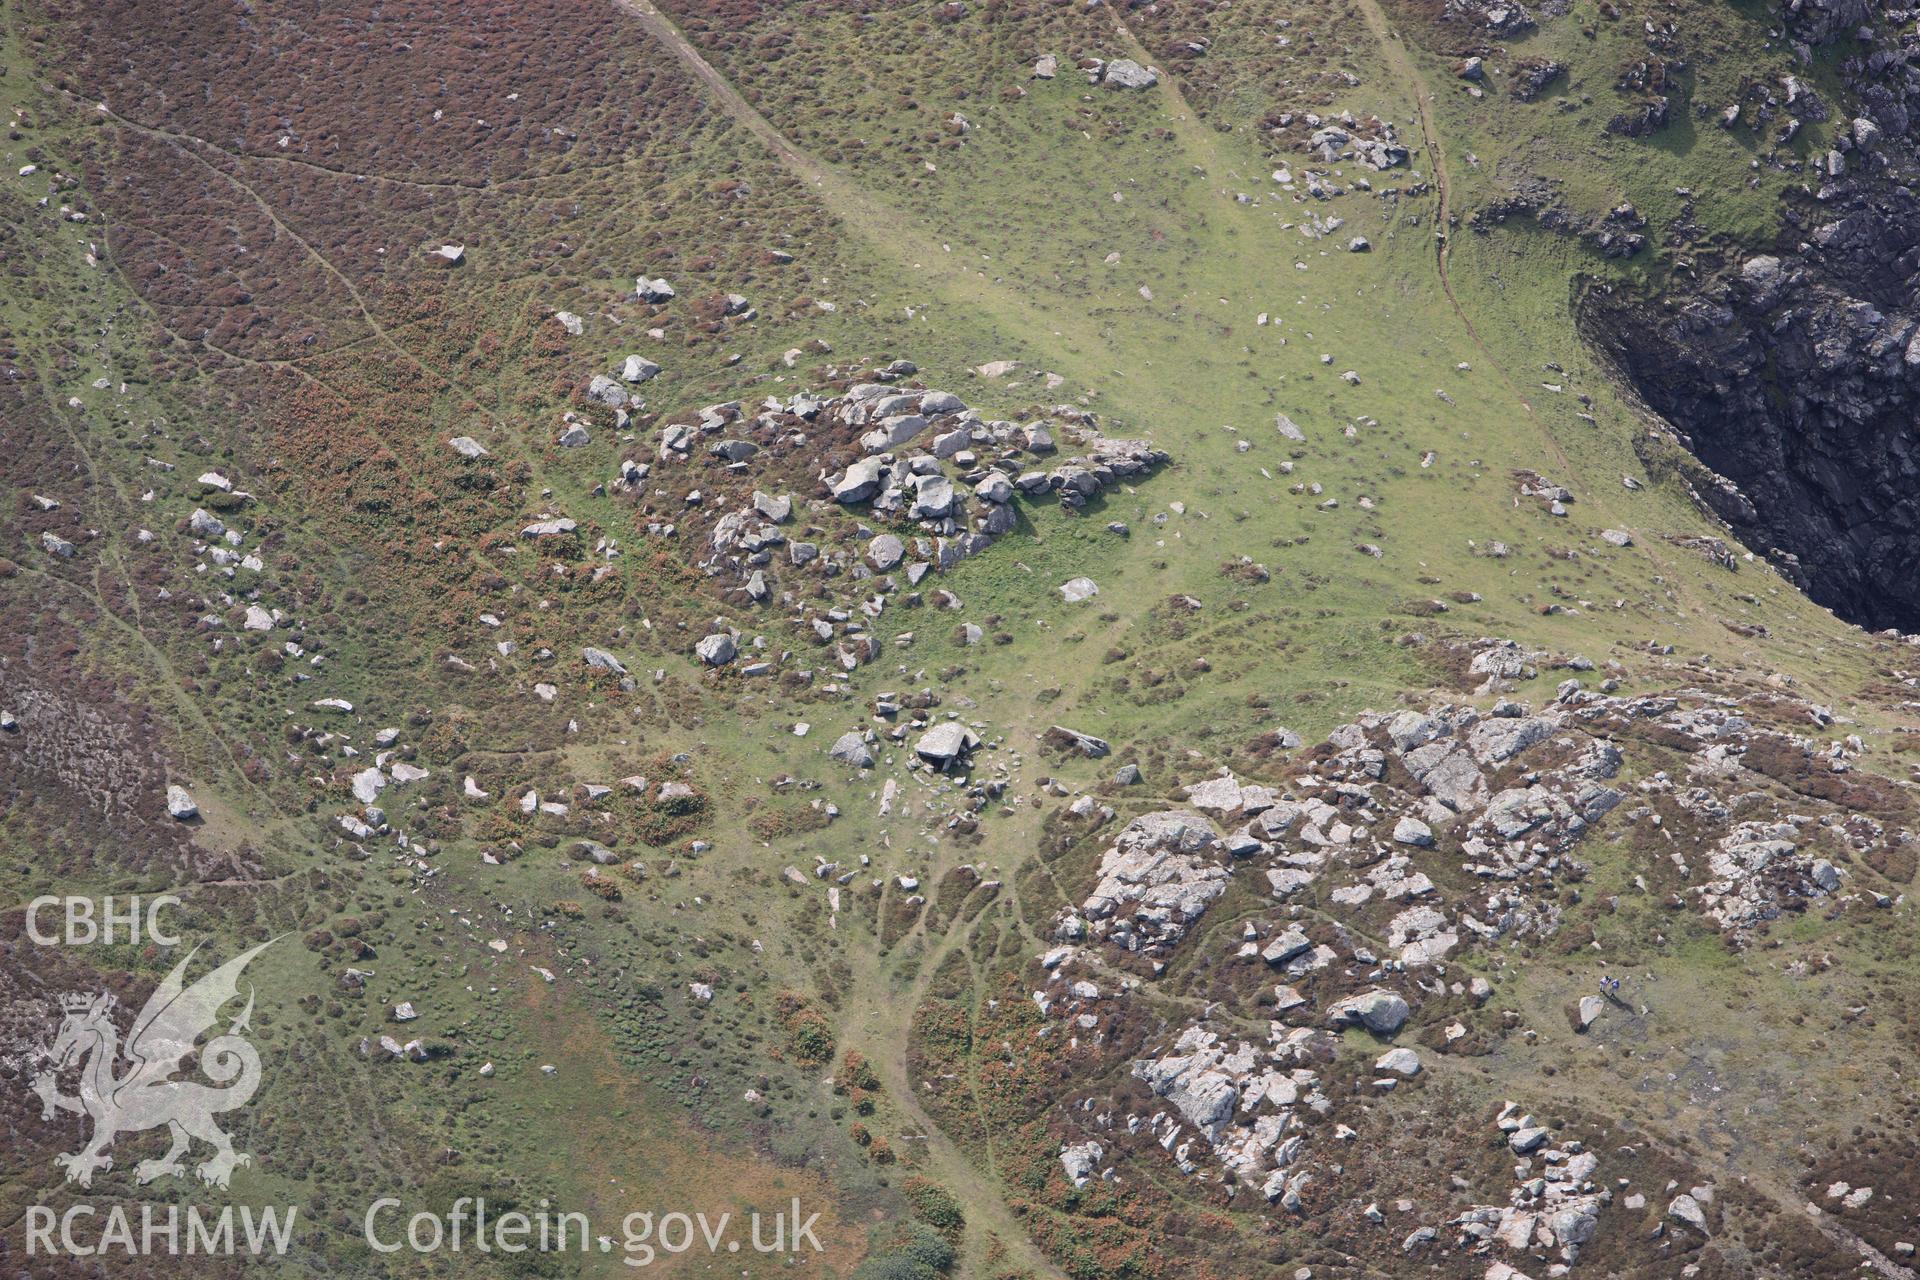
(146, 1095)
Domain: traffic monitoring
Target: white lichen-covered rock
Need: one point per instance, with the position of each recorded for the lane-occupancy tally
(851, 748)
(1217, 795)
(1158, 877)
(1496, 740)
(1755, 869)
(717, 649)
(1241, 1097)
(1410, 830)
(1423, 935)
(1552, 1208)
(860, 481)
(1080, 1161)
(1125, 73)
(1400, 1061)
(601, 660)
(946, 744)
(1684, 1208)
(1379, 1011)
(1201, 1079)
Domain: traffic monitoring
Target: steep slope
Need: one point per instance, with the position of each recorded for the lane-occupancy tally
(1029, 622)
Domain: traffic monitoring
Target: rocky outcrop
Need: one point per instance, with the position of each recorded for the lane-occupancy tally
(1800, 393)
(1823, 21)
(1556, 1208)
(1156, 879)
(1793, 372)
(1442, 833)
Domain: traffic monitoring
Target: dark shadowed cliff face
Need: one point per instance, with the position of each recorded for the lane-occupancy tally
(1803, 389)
(1795, 373)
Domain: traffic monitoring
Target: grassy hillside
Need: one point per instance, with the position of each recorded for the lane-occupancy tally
(245, 282)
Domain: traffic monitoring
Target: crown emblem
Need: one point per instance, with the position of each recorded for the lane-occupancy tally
(129, 1087)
